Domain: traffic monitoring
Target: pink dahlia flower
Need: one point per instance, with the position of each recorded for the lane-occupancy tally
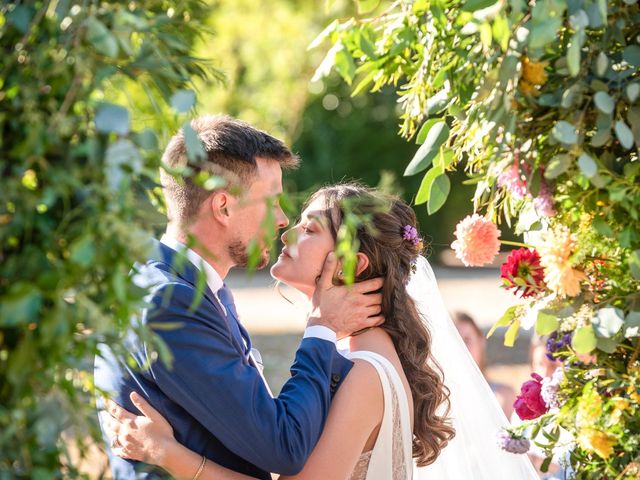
(477, 241)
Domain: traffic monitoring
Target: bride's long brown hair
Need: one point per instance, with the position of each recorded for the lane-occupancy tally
(380, 238)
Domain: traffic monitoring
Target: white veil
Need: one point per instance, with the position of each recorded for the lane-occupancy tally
(474, 453)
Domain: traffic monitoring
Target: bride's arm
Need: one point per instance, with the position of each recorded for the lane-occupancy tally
(356, 411)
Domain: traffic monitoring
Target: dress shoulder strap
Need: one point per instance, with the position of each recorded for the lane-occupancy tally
(381, 465)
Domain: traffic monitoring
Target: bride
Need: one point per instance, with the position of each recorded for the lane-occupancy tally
(413, 387)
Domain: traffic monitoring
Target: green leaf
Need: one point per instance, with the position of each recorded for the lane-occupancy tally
(345, 65)
(632, 324)
(147, 139)
(183, 100)
(634, 264)
(546, 323)
(329, 29)
(566, 133)
(624, 134)
(602, 62)
(587, 165)
(120, 157)
(473, 5)
(424, 130)
(506, 319)
(367, 6)
(101, 38)
(608, 321)
(544, 32)
(424, 191)
(557, 166)
(631, 55)
(584, 340)
(20, 305)
(512, 334)
(195, 150)
(632, 91)
(607, 345)
(602, 228)
(604, 102)
(439, 193)
(83, 251)
(573, 54)
(112, 118)
(437, 135)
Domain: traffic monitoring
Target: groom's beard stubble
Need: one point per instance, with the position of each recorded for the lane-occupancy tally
(239, 253)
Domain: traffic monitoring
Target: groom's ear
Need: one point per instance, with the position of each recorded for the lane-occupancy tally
(219, 205)
(363, 263)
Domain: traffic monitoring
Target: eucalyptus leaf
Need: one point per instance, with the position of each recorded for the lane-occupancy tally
(632, 324)
(632, 91)
(436, 136)
(473, 5)
(557, 166)
(587, 165)
(608, 321)
(102, 38)
(604, 102)
(607, 345)
(112, 118)
(183, 100)
(624, 134)
(566, 133)
(631, 55)
(602, 62)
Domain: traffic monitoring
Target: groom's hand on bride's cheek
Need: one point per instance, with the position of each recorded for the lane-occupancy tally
(345, 309)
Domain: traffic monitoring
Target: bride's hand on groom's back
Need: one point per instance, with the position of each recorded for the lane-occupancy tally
(345, 309)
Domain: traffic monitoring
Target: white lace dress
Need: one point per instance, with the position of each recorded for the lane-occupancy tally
(391, 456)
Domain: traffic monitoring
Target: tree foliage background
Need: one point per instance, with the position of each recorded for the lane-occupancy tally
(75, 204)
(538, 103)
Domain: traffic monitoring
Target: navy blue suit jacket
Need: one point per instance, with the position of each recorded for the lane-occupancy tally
(213, 397)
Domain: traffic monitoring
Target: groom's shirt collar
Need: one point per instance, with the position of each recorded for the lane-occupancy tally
(214, 282)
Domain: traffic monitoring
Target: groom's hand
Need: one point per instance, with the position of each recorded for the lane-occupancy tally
(345, 309)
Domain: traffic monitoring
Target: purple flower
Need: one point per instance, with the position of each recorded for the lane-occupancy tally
(410, 233)
(556, 345)
(550, 387)
(543, 203)
(511, 443)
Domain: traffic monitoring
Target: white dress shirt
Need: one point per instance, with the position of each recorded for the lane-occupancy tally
(215, 283)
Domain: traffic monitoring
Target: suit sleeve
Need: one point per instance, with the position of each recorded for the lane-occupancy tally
(211, 380)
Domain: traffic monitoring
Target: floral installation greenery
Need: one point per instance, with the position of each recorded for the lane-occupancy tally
(538, 102)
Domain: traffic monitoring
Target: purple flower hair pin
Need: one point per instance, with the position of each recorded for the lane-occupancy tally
(410, 233)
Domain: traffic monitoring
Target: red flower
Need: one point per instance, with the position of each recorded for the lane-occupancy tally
(522, 272)
(529, 404)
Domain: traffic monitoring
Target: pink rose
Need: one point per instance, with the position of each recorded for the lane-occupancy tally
(530, 404)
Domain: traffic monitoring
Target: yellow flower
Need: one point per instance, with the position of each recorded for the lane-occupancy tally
(534, 72)
(596, 441)
(589, 408)
(619, 406)
(527, 88)
(555, 253)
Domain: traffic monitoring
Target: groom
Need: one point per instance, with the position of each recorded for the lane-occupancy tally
(213, 394)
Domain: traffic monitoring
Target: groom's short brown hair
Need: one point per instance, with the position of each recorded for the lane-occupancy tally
(231, 147)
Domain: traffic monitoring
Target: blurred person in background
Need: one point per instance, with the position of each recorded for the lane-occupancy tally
(476, 342)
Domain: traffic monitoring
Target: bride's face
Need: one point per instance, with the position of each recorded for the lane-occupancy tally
(306, 246)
